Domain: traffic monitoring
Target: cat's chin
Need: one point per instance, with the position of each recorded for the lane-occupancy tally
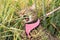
(28, 21)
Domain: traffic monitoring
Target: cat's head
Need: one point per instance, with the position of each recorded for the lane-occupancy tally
(29, 14)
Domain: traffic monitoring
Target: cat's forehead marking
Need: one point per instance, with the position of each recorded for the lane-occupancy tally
(22, 11)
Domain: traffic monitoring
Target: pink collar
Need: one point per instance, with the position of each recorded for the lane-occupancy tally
(29, 27)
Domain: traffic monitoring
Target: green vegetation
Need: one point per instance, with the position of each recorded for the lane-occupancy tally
(10, 22)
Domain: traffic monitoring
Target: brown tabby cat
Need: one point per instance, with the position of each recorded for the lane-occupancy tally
(30, 16)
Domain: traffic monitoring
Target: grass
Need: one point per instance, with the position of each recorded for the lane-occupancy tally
(10, 22)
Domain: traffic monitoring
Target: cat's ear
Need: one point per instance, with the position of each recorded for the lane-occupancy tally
(32, 7)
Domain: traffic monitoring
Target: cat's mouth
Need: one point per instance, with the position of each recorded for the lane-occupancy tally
(27, 19)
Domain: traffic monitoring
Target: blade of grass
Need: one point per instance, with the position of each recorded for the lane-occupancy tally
(44, 13)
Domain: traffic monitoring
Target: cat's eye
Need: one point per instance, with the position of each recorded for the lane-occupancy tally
(24, 16)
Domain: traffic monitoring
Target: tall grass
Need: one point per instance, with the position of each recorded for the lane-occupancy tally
(10, 22)
(7, 19)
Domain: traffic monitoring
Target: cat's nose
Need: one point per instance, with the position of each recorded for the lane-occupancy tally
(26, 17)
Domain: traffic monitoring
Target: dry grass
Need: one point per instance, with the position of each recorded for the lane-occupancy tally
(10, 22)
